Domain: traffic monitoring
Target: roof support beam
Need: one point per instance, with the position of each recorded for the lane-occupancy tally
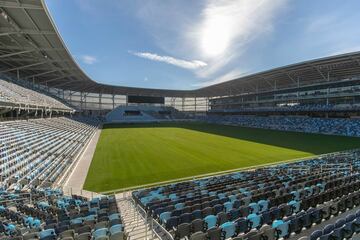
(82, 89)
(29, 32)
(22, 67)
(40, 74)
(65, 83)
(55, 79)
(268, 82)
(356, 60)
(15, 53)
(8, 4)
(290, 77)
(30, 48)
(318, 70)
(18, 59)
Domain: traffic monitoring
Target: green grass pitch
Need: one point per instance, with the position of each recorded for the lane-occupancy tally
(138, 154)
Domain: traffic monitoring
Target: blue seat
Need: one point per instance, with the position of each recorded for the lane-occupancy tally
(221, 195)
(340, 222)
(316, 234)
(116, 229)
(28, 221)
(165, 216)
(348, 230)
(282, 228)
(254, 207)
(77, 220)
(185, 218)
(218, 208)
(309, 191)
(242, 225)
(91, 217)
(210, 221)
(47, 233)
(10, 229)
(264, 205)
(295, 206)
(295, 195)
(350, 217)
(234, 214)
(228, 229)
(102, 232)
(275, 213)
(172, 222)
(254, 220)
(236, 203)
(228, 206)
(196, 214)
(337, 234)
(265, 217)
(36, 223)
(328, 229)
(232, 198)
(357, 214)
(176, 212)
(179, 206)
(173, 196)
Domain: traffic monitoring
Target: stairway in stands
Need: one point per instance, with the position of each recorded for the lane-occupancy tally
(134, 223)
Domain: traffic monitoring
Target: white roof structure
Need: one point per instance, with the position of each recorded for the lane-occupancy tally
(31, 47)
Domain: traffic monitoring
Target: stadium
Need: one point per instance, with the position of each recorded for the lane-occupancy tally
(272, 154)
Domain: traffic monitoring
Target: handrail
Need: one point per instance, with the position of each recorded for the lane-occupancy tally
(152, 221)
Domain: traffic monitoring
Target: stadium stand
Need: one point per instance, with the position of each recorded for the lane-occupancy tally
(337, 126)
(12, 94)
(48, 214)
(292, 200)
(144, 113)
(37, 152)
(268, 203)
(293, 108)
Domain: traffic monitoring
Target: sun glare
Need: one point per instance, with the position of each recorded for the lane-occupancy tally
(216, 36)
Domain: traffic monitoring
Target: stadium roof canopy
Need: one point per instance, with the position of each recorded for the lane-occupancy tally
(31, 46)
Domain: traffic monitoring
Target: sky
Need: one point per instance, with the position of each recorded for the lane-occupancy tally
(187, 44)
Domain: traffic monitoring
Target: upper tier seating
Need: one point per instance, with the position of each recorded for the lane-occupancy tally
(269, 203)
(13, 93)
(37, 152)
(336, 126)
(47, 214)
(291, 108)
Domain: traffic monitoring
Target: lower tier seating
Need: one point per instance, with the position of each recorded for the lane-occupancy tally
(37, 152)
(275, 202)
(48, 214)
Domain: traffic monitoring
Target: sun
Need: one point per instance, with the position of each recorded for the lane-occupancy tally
(216, 35)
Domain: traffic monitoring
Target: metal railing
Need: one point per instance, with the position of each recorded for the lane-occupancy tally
(155, 226)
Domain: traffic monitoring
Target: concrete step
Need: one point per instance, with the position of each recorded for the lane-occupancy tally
(134, 224)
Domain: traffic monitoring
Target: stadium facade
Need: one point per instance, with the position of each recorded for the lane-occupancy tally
(34, 53)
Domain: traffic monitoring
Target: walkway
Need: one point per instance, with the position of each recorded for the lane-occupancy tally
(77, 178)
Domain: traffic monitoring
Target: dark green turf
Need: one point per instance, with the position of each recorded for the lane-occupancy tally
(132, 155)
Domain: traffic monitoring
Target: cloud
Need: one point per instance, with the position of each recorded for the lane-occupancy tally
(193, 64)
(236, 73)
(87, 59)
(218, 32)
(229, 27)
